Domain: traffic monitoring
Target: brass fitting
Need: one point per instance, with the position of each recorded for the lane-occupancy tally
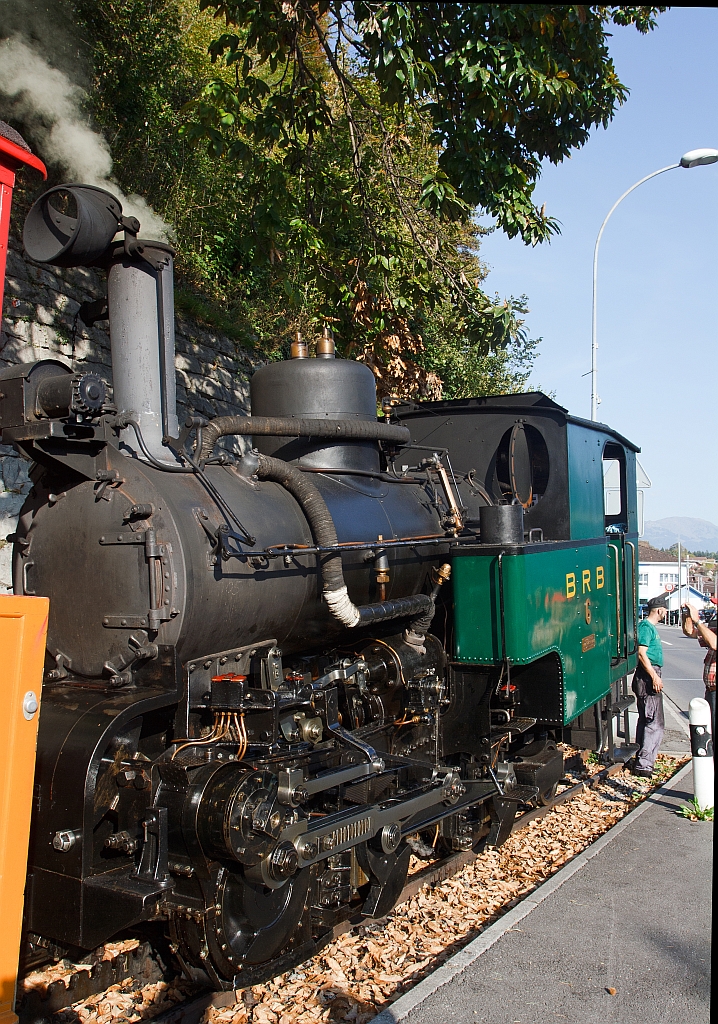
(441, 575)
(325, 345)
(381, 571)
(299, 348)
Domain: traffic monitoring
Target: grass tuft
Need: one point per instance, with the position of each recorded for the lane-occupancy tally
(693, 811)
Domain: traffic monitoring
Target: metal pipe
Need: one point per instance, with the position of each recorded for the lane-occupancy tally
(275, 550)
(619, 631)
(634, 597)
(454, 516)
(337, 471)
(287, 426)
(166, 333)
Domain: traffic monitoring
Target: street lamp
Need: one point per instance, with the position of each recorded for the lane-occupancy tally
(694, 158)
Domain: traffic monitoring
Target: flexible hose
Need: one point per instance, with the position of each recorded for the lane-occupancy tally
(285, 426)
(324, 533)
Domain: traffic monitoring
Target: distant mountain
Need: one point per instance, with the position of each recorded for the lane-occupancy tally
(695, 534)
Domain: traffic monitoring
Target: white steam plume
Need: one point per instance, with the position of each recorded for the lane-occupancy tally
(41, 91)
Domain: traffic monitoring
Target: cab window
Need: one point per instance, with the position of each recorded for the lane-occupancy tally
(615, 505)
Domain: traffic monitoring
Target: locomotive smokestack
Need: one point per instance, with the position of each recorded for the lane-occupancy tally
(140, 300)
(75, 226)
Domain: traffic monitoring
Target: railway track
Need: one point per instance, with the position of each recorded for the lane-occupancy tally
(39, 1003)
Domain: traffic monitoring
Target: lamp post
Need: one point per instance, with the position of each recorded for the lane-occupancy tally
(694, 158)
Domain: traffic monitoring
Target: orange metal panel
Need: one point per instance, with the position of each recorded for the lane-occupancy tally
(23, 626)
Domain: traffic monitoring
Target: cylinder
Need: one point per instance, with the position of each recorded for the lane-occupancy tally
(66, 393)
(502, 524)
(141, 313)
(324, 388)
(699, 717)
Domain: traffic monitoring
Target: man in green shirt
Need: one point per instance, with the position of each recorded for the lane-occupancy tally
(648, 688)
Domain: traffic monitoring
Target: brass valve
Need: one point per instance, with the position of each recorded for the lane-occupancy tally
(441, 575)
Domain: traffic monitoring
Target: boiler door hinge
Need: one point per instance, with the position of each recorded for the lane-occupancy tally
(161, 580)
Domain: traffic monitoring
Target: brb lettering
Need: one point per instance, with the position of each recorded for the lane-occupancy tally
(586, 582)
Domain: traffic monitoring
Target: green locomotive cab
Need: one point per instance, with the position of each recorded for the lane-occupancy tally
(551, 610)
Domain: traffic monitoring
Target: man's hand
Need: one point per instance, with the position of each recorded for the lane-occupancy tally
(689, 617)
(657, 683)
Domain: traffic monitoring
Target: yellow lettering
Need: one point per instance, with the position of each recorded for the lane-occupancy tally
(570, 585)
(599, 577)
(586, 580)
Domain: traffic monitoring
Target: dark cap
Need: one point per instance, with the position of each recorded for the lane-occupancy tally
(658, 602)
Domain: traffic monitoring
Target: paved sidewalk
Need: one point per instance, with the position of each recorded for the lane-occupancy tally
(631, 913)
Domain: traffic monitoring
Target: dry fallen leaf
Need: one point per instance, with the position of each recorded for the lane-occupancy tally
(369, 967)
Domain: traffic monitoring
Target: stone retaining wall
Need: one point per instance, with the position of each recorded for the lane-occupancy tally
(39, 322)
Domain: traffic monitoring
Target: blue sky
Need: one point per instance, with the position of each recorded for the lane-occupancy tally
(658, 265)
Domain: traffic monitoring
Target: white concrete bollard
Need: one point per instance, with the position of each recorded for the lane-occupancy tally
(699, 716)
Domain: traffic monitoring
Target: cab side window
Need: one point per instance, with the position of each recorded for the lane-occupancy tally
(615, 505)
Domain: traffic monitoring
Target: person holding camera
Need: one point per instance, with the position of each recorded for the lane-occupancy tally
(693, 626)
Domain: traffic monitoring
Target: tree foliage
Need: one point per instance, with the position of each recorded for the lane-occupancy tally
(503, 87)
(377, 129)
(324, 162)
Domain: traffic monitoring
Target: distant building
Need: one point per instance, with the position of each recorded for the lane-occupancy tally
(658, 574)
(656, 578)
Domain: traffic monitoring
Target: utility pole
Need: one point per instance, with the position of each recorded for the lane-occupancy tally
(679, 573)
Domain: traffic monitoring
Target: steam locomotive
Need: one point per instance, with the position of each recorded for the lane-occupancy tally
(277, 668)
